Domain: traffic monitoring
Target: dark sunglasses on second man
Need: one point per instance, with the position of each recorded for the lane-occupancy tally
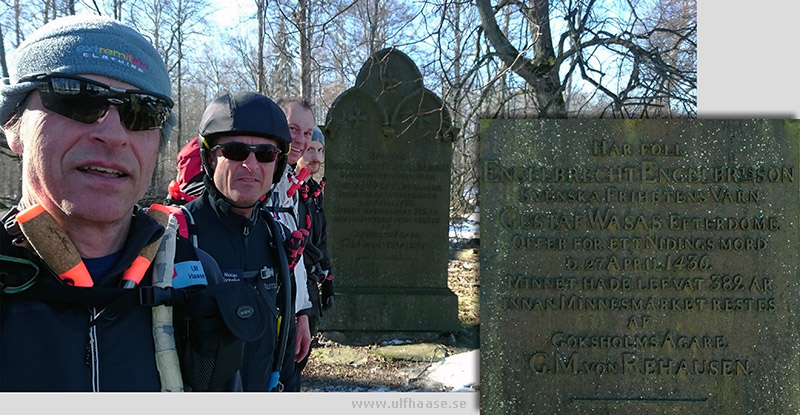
(237, 151)
(85, 100)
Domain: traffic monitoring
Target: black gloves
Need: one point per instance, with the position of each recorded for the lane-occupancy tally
(326, 299)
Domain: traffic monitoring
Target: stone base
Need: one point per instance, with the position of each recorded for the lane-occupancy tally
(392, 309)
(366, 338)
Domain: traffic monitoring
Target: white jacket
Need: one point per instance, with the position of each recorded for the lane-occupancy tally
(289, 220)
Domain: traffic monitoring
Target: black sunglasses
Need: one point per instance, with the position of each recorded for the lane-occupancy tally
(85, 100)
(237, 151)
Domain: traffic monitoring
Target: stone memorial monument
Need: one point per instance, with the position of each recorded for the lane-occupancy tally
(388, 155)
(640, 267)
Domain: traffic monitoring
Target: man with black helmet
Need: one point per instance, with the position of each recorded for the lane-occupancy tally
(244, 140)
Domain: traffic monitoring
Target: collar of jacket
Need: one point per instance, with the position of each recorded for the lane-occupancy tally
(144, 231)
(222, 206)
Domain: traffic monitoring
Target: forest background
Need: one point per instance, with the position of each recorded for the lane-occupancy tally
(484, 58)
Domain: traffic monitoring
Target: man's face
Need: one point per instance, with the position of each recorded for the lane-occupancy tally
(243, 182)
(301, 126)
(85, 172)
(313, 157)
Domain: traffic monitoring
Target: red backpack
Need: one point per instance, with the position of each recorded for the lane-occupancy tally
(188, 185)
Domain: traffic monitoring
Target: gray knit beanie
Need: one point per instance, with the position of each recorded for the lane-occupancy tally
(85, 45)
(318, 136)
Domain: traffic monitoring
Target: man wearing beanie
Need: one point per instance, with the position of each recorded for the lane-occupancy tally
(87, 107)
(315, 255)
(244, 141)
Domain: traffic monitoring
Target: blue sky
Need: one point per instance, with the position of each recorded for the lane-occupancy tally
(748, 57)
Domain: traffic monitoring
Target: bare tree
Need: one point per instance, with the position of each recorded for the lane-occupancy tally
(170, 24)
(335, 58)
(246, 56)
(186, 22)
(10, 19)
(261, 73)
(3, 65)
(324, 43)
(461, 72)
(52, 9)
(112, 8)
(666, 19)
(29, 15)
(293, 29)
(282, 76)
(303, 22)
(632, 60)
(539, 71)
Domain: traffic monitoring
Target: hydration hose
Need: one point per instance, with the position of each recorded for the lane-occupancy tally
(288, 310)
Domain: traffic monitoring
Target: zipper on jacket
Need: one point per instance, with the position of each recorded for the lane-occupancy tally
(245, 245)
(94, 354)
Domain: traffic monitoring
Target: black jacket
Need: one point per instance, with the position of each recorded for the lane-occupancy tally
(50, 345)
(315, 254)
(245, 250)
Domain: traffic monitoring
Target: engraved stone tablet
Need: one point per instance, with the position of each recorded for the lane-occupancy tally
(639, 266)
(388, 157)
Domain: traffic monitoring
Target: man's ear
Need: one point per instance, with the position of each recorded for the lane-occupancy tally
(13, 140)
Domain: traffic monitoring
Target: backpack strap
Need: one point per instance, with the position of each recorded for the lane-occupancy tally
(185, 220)
(288, 310)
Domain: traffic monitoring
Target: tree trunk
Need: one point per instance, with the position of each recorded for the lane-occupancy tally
(540, 73)
(179, 75)
(3, 65)
(17, 23)
(304, 26)
(261, 77)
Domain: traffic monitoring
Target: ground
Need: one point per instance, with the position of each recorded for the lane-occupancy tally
(345, 368)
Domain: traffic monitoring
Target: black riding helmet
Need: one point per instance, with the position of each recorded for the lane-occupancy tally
(244, 113)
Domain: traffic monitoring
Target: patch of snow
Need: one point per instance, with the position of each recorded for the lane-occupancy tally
(468, 229)
(395, 342)
(351, 389)
(460, 371)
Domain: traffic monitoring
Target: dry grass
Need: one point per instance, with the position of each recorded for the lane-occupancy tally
(464, 280)
(382, 374)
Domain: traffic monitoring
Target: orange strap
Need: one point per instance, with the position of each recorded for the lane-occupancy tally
(137, 270)
(30, 213)
(77, 276)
